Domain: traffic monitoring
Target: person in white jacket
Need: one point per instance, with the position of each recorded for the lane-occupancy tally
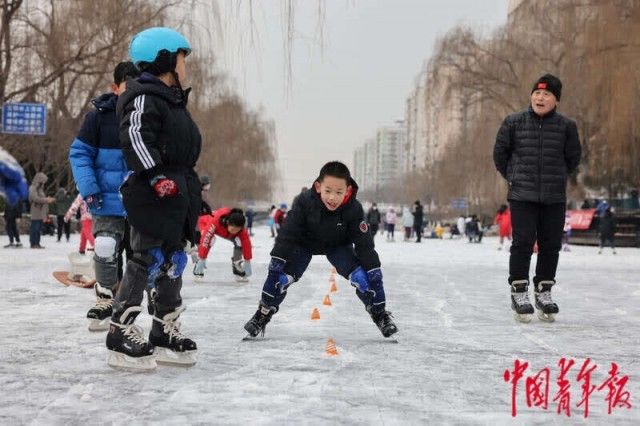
(407, 223)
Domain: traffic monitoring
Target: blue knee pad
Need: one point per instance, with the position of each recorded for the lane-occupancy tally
(359, 280)
(157, 260)
(178, 263)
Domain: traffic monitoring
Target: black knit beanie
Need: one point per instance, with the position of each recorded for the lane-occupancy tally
(549, 82)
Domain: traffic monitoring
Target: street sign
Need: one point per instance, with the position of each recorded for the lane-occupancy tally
(459, 203)
(24, 118)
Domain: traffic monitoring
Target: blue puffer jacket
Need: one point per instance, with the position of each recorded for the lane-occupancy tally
(96, 157)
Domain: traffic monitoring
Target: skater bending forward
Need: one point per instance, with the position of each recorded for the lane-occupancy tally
(536, 149)
(326, 219)
(226, 223)
(161, 145)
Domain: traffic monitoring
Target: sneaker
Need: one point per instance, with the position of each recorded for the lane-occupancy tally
(100, 314)
(127, 347)
(384, 322)
(9, 245)
(260, 319)
(18, 244)
(172, 347)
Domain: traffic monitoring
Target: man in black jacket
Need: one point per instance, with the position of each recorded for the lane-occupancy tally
(161, 145)
(326, 219)
(373, 219)
(535, 151)
(418, 219)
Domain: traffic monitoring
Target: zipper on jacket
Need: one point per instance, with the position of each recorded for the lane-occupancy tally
(540, 162)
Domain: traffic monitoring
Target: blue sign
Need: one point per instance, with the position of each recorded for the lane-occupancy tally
(459, 203)
(24, 119)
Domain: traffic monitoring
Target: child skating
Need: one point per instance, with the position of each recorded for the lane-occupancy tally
(326, 219)
(229, 224)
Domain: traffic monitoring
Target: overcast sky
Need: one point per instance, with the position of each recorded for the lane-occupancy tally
(347, 80)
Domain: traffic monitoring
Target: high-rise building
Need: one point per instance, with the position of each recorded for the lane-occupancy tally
(379, 163)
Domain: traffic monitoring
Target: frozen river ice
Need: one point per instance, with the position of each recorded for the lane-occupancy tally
(450, 302)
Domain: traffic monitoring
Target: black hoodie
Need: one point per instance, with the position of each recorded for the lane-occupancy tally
(312, 226)
(159, 137)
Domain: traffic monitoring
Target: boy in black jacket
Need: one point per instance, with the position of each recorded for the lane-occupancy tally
(536, 149)
(161, 145)
(326, 219)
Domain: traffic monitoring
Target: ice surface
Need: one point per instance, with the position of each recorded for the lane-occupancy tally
(450, 302)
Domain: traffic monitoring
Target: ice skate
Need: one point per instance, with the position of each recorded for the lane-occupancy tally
(127, 347)
(171, 346)
(522, 309)
(547, 308)
(240, 279)
(260, 319)
(384, 322)
(100, 314)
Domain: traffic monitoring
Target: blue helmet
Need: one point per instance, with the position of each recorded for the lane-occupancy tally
(146, 45)
(283, 205)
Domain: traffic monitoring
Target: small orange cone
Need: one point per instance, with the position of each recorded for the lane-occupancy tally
(315, 314)
(331, 347)
(333, 288)
(326, 301)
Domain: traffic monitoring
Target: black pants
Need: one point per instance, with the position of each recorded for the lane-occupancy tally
(418, 228)
(531, 222)
(63, 226)
(12, 230)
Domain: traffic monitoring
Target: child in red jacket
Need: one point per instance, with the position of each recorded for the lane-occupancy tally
(86, 220)
(227, 223)
(503, 220)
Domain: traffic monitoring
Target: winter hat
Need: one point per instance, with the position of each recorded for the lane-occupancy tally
(549, 82)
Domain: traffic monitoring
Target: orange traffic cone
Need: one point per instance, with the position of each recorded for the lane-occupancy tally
(315, 314)
(331, 347)
(333, 288)
(326, 301)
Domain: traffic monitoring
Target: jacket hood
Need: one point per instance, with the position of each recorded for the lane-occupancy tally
(105, 102)
(40, 178)
(150, 84)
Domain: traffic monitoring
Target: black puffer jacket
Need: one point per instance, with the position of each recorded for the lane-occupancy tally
(311, 225)
(159, 137)
(535, 155)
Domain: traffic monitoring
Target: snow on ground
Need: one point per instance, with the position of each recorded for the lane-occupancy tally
(450, 301)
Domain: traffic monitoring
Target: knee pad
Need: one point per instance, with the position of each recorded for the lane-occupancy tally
(156, 260)
(105, 247)
(178, 261)
(358, 279)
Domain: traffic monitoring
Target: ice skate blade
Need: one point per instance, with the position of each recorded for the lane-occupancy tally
(99, 325)
(168, 357)
(524, 318)
(198, 279)
(250, 338)
(242, 279)
(546, 317)
(120, 360)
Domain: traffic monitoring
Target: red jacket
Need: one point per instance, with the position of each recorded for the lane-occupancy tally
(279, 216)
(504, 220)
(211, 225)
